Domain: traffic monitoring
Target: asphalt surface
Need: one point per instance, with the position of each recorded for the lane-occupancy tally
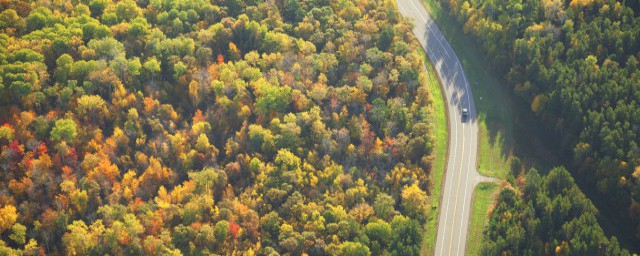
(461, 174)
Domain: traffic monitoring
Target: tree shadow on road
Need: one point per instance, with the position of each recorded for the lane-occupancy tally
(508, 128)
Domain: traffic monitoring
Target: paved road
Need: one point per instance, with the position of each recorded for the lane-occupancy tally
(461, 175)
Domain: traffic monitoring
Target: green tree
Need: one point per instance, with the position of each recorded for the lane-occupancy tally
(6, 133)
(79, 239)
(10, 21)
(384, 206)
(97, 7)
(290, 9)
(18, 234)
(380, 235)
(91, 106)
(273, 99)
(354, 249)
(64, 130)
(222, 231)
(63, 67)
(25, 55)
(152, 68)
(106, 48)
(385, 39)
(39, 18)
(127, 10)
(407, 236)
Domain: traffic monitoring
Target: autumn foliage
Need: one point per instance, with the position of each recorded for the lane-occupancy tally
(171, 127)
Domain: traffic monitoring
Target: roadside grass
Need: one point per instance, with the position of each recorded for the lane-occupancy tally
(440, 151)
(483, 197)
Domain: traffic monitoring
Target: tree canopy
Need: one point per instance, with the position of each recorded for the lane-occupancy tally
(547, 215)
(172, 127)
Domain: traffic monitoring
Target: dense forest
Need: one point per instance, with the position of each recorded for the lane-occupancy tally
(168, 127)
(577, 64)
(546, 215)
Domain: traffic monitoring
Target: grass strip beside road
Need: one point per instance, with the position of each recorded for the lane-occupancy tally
(482, 199)
(439, 120)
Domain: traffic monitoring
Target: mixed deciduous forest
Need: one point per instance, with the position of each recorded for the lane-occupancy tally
(576, 64)
(194, 127)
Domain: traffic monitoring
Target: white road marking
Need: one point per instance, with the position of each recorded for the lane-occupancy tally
(455, 153)
(455, 209)
(466, 186)
(414, 6)
(471, 113)
(437, 39)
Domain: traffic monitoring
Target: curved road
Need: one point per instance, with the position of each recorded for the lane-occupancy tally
(461, 175)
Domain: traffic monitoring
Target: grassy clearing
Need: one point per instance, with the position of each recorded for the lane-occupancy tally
(436, 175)
(491, 161)
(482, 198)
